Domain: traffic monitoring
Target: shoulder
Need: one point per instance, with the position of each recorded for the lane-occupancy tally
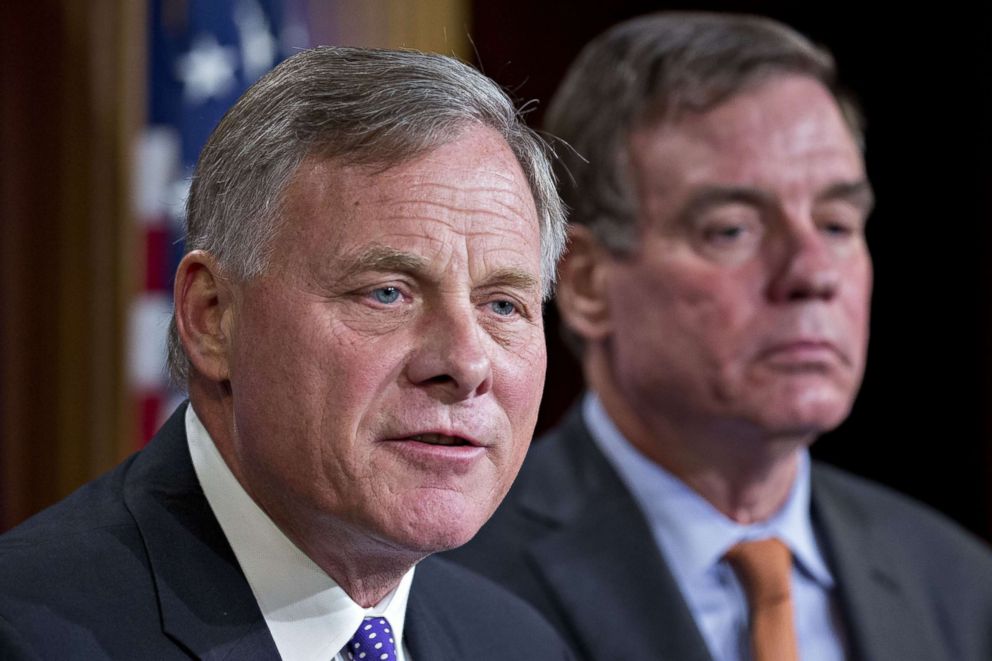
(66, 570)
(894, 515)
(92, 516)
(495, 619)
(944, 560)
(940, 574)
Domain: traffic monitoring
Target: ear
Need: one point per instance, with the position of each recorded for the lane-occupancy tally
(204, 310)
(583, 277)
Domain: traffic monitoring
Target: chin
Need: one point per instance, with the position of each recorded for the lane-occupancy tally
(433, 539)
(436, 524)
(797, 409)
(807, 420)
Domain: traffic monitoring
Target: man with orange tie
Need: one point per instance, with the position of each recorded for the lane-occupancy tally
(717, 289)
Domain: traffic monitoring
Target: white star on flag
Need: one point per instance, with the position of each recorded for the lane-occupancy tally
(207, 71)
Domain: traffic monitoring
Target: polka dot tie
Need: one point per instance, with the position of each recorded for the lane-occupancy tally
(764, 569)
(373, 641)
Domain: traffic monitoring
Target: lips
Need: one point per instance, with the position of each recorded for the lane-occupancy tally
(804, 351)
(440, 436)
(438, 452)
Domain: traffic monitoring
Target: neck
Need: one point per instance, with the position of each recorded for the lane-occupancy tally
(744, 472)
(366, 570)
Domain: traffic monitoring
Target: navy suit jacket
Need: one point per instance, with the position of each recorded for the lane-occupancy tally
(571, 539)
(135, 566)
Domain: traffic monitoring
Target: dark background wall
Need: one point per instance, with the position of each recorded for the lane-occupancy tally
(921, 422)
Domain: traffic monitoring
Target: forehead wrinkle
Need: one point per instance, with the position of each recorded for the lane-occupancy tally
(469, 223)
(505, 197)
(452, 210)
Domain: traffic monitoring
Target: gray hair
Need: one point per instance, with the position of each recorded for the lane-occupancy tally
(358, 106)
(650, 71)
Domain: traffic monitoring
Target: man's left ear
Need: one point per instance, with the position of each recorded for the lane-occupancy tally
(204, 311)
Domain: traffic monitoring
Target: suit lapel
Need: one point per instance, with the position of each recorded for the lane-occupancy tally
(618, 597)
(876, 588)
(206, 603)
(425, 634)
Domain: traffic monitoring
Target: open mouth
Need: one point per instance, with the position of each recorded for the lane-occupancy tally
(439, 439)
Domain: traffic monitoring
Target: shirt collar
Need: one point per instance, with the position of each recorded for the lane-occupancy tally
(308, 614)
(692, 534)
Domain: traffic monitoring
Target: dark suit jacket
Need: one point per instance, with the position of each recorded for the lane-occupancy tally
(571, 539)
(135, 566)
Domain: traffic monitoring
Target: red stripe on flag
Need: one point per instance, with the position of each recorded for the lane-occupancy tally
(149, 407)
(156, 257)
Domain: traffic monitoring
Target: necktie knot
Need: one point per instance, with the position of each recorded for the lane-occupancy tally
(373, 641)
(764, 569)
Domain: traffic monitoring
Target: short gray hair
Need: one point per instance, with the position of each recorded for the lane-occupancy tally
(360, 107)
(649, 71)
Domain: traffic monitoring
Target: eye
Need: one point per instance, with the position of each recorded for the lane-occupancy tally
(386, 295)
(730, 227)
(840, 220)
(725, 234)
(836, 229)
(503, 308)
(841, 227)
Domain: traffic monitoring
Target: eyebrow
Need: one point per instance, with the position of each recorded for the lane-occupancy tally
(513, 278)
(709, 197)
(857, 192)
(384, 258)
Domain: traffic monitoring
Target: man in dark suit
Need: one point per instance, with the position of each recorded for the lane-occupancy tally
(358, 323)
(717, 285)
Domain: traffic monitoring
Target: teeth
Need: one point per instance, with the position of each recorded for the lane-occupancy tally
(437, 439)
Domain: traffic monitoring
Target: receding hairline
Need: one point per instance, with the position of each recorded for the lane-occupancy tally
(519, 184)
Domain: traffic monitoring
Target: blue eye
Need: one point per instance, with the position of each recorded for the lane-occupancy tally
(503, 308)
(386, 295)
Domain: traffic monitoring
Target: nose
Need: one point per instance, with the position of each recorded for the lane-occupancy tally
(452, 360)
(808, 267)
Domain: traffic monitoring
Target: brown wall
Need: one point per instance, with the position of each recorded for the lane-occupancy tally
(67, 103)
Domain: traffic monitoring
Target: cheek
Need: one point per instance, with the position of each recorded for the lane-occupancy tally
(520, 382)
(686, 312)
(865, 285)
(265, 376)
(857, 306)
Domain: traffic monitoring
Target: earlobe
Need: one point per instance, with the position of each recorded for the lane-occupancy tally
(203, 301)
(583, 286)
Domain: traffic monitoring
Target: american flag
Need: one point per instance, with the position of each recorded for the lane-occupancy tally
(202, 55)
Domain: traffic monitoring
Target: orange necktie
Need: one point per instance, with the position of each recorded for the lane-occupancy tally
(764, 568)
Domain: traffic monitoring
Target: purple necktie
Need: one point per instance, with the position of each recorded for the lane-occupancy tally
(373, 641)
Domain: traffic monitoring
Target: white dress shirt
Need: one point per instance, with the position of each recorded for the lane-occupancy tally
(309, 616)
(693, 536)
